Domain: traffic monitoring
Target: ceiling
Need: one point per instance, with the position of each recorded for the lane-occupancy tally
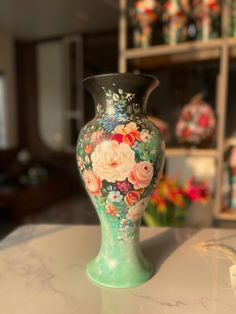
(34, 19)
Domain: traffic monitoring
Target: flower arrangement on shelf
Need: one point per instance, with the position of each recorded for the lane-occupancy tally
(197, 122)
(171, 199)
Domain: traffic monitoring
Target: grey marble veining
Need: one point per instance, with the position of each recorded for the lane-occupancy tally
(42, 270)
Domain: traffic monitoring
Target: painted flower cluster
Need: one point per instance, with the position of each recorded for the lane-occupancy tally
(119, 167)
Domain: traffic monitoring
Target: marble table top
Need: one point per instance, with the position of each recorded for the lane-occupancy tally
(42, 271)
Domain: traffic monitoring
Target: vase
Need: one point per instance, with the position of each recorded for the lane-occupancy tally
(174, 22)
(207, 18)
(120, 155)
(144, 14)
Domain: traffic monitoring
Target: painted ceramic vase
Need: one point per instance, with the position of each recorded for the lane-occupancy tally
(175, 21)
(144, 14)
(120, 156)
(207, 18)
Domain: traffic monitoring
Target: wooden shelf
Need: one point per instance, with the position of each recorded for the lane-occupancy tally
(190, 152)
(231, 41)
(227, 215)
(190, 47)
(162, 55)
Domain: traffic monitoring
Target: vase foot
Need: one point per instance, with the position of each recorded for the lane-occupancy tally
(122, 276)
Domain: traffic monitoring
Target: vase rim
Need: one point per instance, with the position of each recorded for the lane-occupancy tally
(126, 74)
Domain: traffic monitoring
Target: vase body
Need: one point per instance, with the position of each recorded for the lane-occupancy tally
(120, 155)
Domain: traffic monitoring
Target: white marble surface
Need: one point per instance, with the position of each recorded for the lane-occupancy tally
(42, 271)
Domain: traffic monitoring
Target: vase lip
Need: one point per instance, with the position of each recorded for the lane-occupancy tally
(126, 74)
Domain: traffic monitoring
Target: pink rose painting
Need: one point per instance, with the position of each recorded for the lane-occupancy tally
(92, 182)
(141, 175)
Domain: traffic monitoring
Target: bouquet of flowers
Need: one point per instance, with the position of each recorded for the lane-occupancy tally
(197, 122)
(171, 199)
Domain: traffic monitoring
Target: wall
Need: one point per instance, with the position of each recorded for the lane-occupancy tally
(51, 93)
(7, 67)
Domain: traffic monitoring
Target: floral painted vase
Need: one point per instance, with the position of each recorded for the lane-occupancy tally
(144, 14)
(120, 156)
(207, 18)
(175, 20)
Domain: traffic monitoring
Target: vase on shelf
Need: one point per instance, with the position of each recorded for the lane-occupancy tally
(175, 21)
(144, 14)
(120, 155)
(207, 18)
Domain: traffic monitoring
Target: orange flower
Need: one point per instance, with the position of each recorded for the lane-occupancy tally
(111, 210)
(88, 148)
(127, 133)
(131, 198)
(129, 139)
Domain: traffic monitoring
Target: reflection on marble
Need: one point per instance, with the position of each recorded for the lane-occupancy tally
(42, 270)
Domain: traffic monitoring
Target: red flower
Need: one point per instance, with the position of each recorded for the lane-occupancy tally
(203, 121)
(117, 137)
(131, 198)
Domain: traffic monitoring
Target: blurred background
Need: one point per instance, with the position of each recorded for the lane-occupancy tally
(48, 47)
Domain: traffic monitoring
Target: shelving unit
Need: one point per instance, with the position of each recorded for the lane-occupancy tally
(190, 152)
(220, 49)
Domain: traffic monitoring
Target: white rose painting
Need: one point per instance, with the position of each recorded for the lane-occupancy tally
(113, 161)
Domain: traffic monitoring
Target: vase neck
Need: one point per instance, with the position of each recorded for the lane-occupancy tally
(125, 92)
(119, 102)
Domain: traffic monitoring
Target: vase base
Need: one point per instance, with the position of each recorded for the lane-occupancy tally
(119, 278)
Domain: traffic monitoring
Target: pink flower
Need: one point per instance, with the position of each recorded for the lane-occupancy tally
(123, 186)
(131, 198)
(97, 136)
(86, 135)
(92, 182)
(141, 175)
(111, 210)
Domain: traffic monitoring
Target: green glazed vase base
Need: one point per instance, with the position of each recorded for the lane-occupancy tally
(116, 279)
